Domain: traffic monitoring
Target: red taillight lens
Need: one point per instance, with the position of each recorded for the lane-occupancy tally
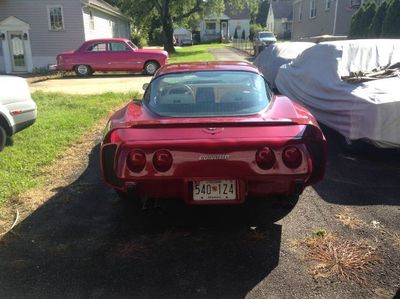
(292, 157)
(162, 160)
(136, 160)
(265, 158)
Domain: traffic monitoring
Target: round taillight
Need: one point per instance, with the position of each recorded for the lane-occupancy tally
(265, 158)
(162, 160)
(292, 157)
(136, 160)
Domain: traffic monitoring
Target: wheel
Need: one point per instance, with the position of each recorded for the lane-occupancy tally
(83, 70)
(151, 67)
(3, 138)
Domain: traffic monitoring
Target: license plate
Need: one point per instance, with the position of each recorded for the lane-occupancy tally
(214, 190)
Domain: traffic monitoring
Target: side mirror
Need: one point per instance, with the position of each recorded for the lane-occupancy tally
(145, 85)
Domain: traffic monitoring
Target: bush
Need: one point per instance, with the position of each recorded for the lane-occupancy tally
(391, 23)
(243, 34)
(235, 35)
(138, 39)
(362, 19)
(376, 26)
(254, 29)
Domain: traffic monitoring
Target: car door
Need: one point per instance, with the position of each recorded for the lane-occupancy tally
(96, 56)
(122, 57)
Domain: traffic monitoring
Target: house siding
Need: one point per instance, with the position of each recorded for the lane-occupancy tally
(323, 23)
(105, 25)
(46, 44)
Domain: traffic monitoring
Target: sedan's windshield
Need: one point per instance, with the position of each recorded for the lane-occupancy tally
(207, 93)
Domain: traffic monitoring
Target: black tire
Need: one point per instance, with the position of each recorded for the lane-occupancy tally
(3, 138)
(83, 70)
(151, 67)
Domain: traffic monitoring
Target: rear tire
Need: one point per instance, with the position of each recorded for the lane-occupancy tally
(151, 67)
(3, 138)
(83, 70)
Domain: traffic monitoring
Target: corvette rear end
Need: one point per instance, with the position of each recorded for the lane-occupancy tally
(212, 159)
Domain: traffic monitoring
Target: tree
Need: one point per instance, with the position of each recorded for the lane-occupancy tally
(170, 12)
(376, 26)
(362, 19)
(391, 23)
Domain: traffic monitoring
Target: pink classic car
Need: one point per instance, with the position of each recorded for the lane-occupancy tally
(112, 54)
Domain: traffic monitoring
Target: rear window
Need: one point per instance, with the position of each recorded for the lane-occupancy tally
(207, 93)
(265, 34)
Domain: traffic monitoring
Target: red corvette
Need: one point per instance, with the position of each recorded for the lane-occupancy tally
(112, 54)
(212, 133)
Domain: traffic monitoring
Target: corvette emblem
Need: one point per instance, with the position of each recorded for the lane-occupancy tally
(214, 157)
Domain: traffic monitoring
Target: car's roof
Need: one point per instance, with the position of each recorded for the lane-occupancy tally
(207, 66)
(108, 40)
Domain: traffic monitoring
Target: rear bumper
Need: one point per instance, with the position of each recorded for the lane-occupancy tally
(24, 120)
(174, 186)
(182, 188)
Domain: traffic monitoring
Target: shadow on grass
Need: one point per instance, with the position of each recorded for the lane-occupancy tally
(364, 176)
(85, 242)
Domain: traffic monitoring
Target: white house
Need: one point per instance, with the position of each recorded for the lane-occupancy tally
(33, 32)
(222, 27)
(280, 18)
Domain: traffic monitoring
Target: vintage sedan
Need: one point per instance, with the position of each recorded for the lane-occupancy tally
(211, 133)
(108, 55)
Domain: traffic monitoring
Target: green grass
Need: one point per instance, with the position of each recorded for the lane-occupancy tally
(61, 120)
(194, 53)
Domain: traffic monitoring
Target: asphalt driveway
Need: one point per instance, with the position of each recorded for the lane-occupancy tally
(85, 242)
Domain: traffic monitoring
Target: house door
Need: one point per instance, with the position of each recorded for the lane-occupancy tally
(224, 30)
(17, 51)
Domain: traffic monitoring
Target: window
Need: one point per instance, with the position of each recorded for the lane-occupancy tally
(100, 47)
(56, 18)
(91, 20)
(355, 3)
(114, 46)
(211, 27)
(327, 4)
(300, 11)
(313, 9)
(207, 93)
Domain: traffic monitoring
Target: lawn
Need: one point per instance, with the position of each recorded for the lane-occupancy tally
(61, 120)
(194, 53)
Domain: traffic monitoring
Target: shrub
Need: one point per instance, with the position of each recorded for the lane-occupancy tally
(243, 34)
(235, 35)
(254, 29)
(138, 39)
(376, 26)
(362, 19)
(391, 22)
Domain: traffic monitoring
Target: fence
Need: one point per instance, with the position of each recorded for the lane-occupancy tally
(243, 45)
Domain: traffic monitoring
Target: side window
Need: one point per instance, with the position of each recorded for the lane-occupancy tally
(115, 46)
(100, 47)
(55, 17)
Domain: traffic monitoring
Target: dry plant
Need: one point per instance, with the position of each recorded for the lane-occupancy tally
(339, 258)
(347, 218)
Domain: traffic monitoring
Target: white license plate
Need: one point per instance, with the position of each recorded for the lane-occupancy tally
(214, 190)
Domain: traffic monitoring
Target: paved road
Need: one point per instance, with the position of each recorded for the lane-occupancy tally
(87, 243)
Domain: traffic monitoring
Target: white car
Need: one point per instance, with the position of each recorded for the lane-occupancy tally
(17, 109)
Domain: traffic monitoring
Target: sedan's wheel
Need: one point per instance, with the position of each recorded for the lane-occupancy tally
(83, 70)
(151, 67)
(3, 138)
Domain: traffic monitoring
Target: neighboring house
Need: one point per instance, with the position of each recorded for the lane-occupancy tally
(33, 32)
(323, 17)
(223, 26)
(280, 17)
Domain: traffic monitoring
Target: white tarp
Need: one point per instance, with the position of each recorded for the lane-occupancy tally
(273, 57)
(369, 110)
